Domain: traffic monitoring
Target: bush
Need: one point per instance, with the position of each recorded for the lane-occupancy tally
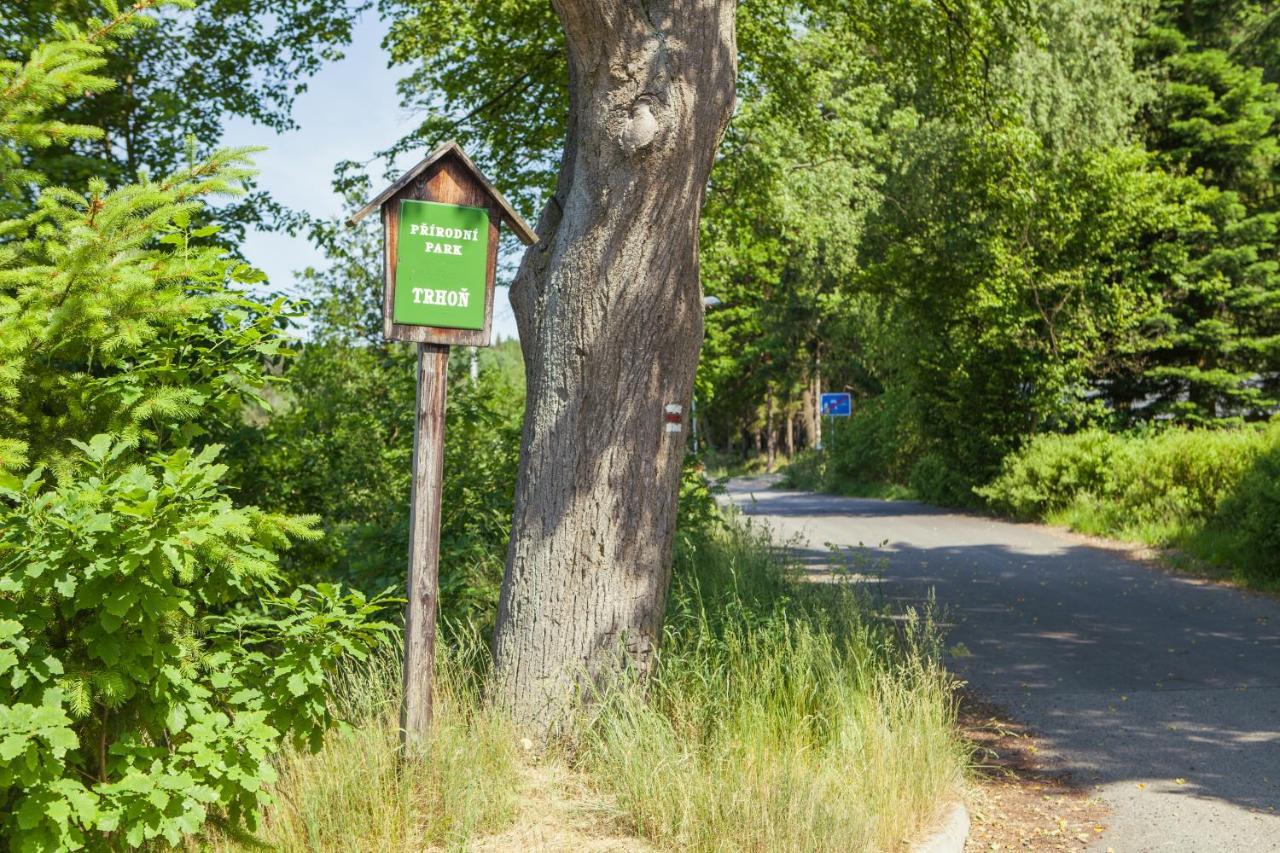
(935, 479)
(873, 446)
(807, 470)
(339, 446)
(1051, 471)
(1211, 491)
(1248, 520)
(1181, 476)
(153, 662)
(133, 707)
(871, 453)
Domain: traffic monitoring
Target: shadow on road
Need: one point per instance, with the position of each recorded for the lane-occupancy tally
(1130, 674)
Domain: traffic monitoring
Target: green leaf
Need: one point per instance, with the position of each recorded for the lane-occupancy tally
(297, 684)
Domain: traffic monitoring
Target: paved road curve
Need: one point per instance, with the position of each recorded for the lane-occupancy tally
(1131, 675)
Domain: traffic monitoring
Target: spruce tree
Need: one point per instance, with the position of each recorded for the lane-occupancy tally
(152, 659)
(1212, 353)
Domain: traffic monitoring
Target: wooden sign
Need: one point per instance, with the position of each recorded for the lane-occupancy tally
(441, 265)
(440, 229)
(437, 256)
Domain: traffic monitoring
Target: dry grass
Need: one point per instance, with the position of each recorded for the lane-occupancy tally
(357, 793)
(782, 716)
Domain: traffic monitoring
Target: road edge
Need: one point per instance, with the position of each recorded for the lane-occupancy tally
(951, 834)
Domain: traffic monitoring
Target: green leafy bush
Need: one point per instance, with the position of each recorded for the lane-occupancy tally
(875, 445)
(1052, 470)
(110, 582)
(347, 418)
(872, 452)
(1213, 492)
(934, 478)
(1248, 520)
(1154, 477)
(152, 661)
(807, 470)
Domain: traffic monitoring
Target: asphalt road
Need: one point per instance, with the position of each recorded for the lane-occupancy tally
(1135, 678)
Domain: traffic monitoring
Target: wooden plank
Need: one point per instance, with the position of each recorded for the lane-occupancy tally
(424, 545)
(450, 181)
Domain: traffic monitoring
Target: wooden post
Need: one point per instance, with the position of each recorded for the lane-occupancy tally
(424, 545)
(447, 199)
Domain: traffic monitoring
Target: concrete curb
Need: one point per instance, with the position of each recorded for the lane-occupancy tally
(951, 834)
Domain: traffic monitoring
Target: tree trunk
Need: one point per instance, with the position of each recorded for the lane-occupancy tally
(808, 416)
(770, 431)
(790, 445)
(817, 400)
(609, 307)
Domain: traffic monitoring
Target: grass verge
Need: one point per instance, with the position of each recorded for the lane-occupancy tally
(782, 715)
(356, 793)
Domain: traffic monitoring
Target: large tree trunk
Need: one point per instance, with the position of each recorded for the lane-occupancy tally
(609, 307)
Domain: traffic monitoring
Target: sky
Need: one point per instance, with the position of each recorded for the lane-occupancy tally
(349, 111)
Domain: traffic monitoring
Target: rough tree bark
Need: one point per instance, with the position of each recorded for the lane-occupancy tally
(770, 430)
(808, 415)
(609, 307)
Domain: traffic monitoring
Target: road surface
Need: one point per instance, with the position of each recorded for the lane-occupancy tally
(1132, 676)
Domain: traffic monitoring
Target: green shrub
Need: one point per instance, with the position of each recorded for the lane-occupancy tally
(1248, 519)
(873, 446)
(133, 708)
(807, 470)
(935, 479)
(152, 661)
(1182, 475)
(1051, 471)
(1213, 492)
(339, 446)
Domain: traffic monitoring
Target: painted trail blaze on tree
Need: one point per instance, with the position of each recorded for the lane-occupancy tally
(610, 312)
(441, 265)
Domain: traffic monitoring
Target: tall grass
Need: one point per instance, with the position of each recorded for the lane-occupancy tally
(781, 716)
(357, 793)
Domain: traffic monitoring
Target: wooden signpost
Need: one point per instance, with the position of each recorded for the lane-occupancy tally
(440, 224)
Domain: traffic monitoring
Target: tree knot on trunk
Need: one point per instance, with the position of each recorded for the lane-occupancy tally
(641, 126)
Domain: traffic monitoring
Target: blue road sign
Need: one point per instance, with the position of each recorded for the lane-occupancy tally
(837, 405)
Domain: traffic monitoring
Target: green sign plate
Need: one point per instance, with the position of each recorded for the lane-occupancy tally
(442, 265)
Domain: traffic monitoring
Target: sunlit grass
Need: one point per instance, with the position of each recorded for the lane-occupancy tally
(782, 716)
(358, 793)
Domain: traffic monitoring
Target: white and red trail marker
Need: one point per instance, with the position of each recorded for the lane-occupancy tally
(674, 417)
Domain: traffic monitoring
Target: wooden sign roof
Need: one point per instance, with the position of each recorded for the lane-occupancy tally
(509, 215)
